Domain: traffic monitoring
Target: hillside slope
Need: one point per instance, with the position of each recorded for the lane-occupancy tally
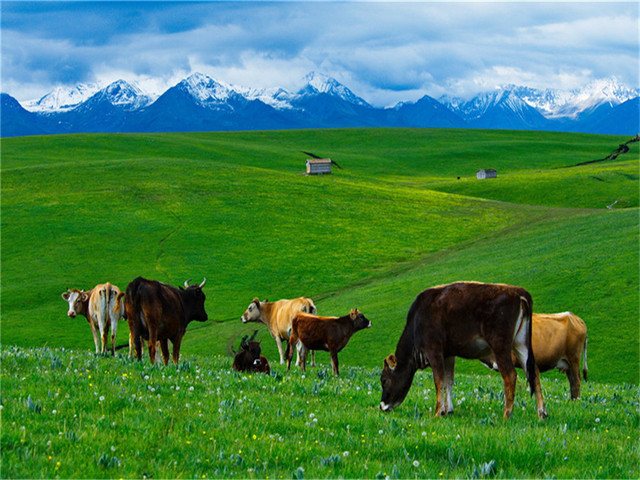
(81, 209)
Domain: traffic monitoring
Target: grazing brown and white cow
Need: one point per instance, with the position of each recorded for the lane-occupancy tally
(98, 305)
(330, 334)
(277, 316)
(468, 320)
(159, 313)
(558, 341)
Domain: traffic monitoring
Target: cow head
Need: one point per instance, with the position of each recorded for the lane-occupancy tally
(396, 383)
(252, 313)
(193, 299)
(359, 320)
(77, 300)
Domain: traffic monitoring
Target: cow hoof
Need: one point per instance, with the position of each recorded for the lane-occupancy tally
(542, 414)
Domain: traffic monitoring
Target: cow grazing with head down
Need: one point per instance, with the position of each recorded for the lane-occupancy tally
(98, 305)
(330, 334)
(249, 358)
(277, 316)
(468, 320)
(558, 341)
(159, 313)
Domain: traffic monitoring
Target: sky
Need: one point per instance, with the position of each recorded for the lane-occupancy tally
(385, 52)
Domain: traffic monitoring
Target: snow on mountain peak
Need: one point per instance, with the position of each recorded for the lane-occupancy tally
(324, 84)
(62, 99)
(205, 89)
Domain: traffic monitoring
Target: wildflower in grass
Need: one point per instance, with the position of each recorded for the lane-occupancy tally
(345, 454)
(416, 463)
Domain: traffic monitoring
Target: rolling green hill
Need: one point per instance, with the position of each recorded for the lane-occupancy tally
(78, 210)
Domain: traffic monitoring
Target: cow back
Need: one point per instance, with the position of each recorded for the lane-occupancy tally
(455, 315)
(557, 336)
(279, 315)
(151, 304)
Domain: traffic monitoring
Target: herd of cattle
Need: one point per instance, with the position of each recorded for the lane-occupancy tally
(493, 323)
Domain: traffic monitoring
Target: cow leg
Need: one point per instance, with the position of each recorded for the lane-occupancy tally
(313, 358)
(289, 352)
(176, 349)
(334, 361)
(96, 335)
(137, 343)
(522, 353)
(152, 343)
(164, 346)
(449, 367)
(279, 344)
(437, 365)
(131, 344)
(573, 374)
(508, 372)
(114, 329)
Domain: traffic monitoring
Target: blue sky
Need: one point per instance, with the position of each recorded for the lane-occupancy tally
(384, 51)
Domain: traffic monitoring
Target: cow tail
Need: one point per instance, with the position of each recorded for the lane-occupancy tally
(118, 307)
(531, 361)
(584, 359)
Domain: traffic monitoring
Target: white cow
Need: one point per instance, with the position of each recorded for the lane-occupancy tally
(98, 305)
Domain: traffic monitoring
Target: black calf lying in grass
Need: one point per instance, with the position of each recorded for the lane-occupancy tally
(248, 359)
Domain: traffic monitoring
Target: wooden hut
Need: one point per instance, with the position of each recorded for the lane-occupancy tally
(486, 173)
(318, 166)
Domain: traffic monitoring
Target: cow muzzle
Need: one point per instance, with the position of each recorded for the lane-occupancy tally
(71, 314)
(385, 407)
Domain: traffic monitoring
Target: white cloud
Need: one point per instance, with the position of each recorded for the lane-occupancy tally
(385, 52)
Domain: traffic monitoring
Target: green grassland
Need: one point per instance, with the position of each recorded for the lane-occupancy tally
(78, 210)
(78, 415)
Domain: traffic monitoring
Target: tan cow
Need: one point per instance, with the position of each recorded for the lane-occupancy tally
(277, 317)
(98, 305)
(558, 341)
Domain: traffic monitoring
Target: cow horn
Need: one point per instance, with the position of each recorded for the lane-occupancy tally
(186, 283)
(203, 282)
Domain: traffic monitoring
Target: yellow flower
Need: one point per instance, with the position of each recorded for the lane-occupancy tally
(254, 436)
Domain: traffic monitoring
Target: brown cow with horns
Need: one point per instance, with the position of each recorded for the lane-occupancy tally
(468, 320)
(159, 312)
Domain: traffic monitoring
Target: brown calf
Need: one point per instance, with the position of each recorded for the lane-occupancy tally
(330, 334)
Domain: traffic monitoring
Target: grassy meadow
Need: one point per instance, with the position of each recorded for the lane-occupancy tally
(78, 210)
(78, 415)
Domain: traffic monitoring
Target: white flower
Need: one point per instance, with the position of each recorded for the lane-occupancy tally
(101, 398)
(416, 463)
(345, 454)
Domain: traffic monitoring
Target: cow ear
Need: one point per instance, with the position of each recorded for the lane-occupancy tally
(85, 296)
(65, 296)
(391, 362)
(354, 313)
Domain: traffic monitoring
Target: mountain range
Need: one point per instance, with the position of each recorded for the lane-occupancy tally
(201, 103)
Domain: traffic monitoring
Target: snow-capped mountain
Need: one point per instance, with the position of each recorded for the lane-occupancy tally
(62, 99)
(208, 92)
(320, 83)
(200, 102)
(555, 104)
(123, 95)
(502, 108)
